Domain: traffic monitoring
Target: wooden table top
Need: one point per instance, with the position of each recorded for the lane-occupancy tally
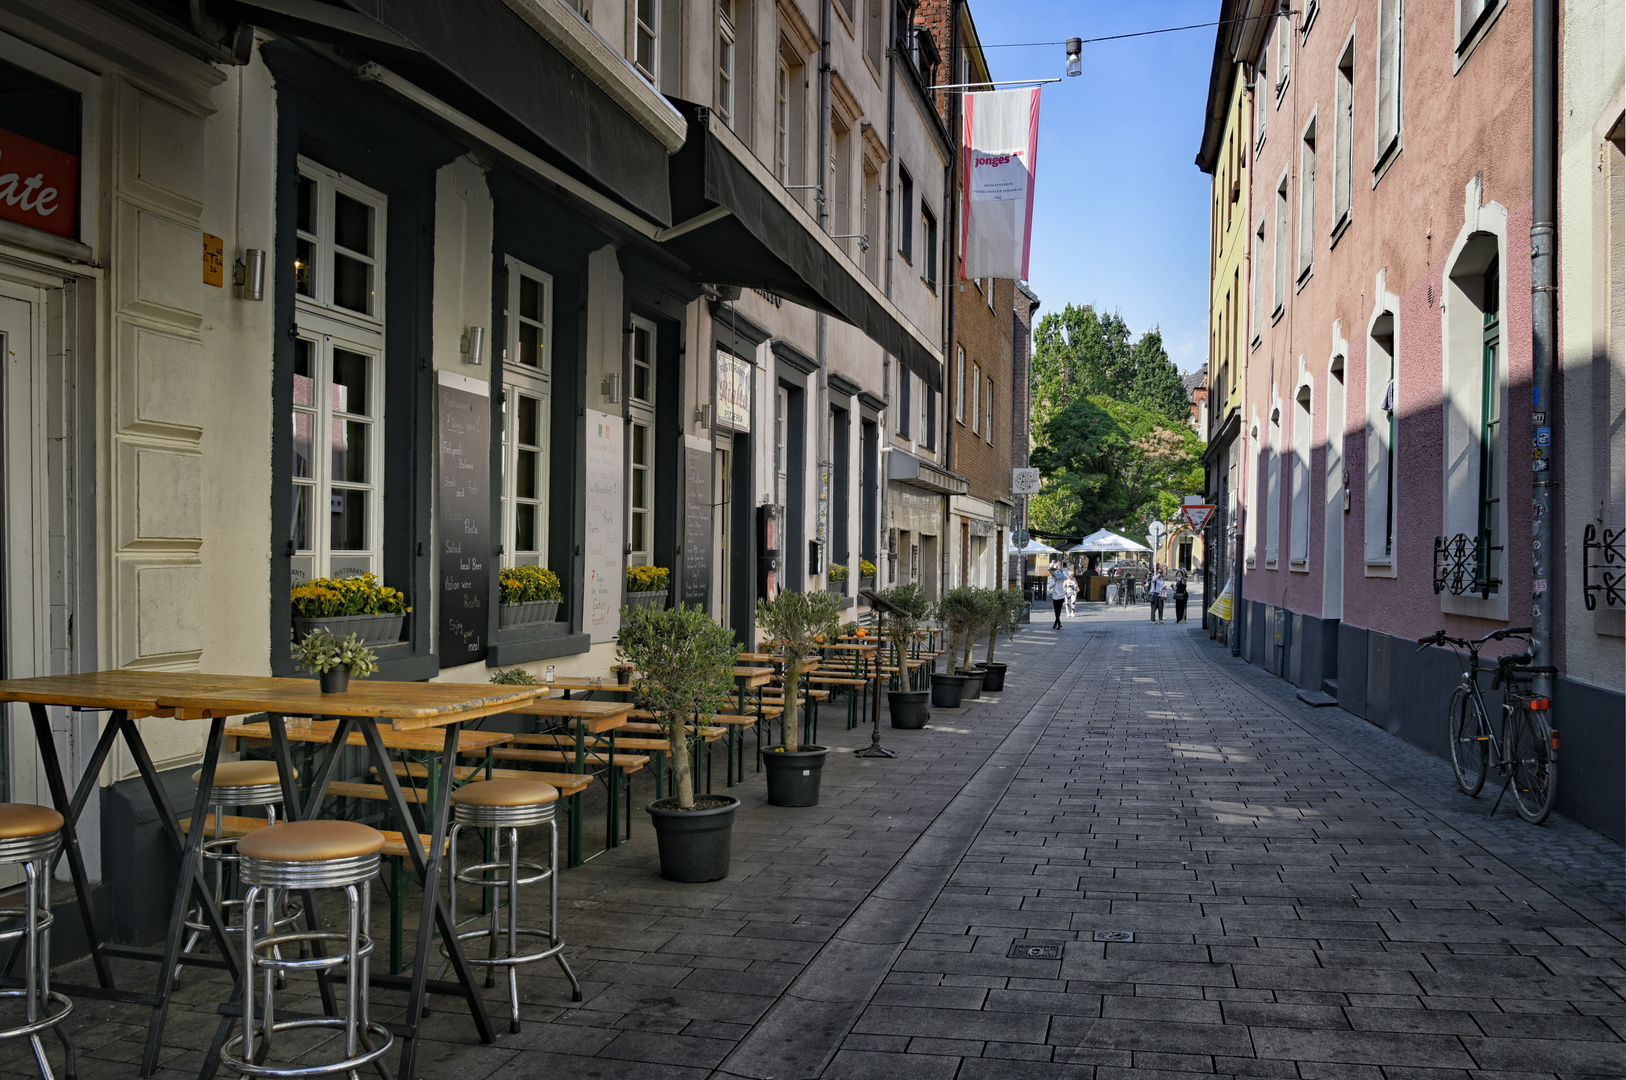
(594, 716)
(321, 731)
(190, 696)
(578, 682)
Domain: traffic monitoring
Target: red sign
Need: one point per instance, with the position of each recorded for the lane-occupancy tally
(1197, 516)
(39, 186)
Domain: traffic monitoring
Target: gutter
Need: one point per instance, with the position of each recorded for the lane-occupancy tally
(1543, 287)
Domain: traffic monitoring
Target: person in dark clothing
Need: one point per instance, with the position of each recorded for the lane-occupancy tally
(1180, 596)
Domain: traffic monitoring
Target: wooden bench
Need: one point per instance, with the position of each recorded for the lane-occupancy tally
(567, 783)
(627, 763)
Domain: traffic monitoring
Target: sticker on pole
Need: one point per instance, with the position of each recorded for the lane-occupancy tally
(1197, 516)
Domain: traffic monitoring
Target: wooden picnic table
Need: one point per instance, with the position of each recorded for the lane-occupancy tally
(131, 695)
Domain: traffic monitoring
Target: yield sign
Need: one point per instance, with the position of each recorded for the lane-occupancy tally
(1197, 516)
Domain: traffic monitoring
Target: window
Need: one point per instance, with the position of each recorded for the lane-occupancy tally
(904, 406)
(988, 293)
(1312, 8)
(640, 445)
(1474, 381)
(1343, 143)
(781, 122)
(1390, 26)
(928, 238)
(1260, 83)
(1307, 203)
(988, 408)
(875, 32)
(870, 215)
(929, 414)
(1382, 390)
(1298, 551)
(841, 181)
(338, 375)
(1273, 491)
(526, 409)
(1280, 269)
(906, 226)
(1250, 502)
(725, 61)
(959, 383)
(976, 398)
(646, 38)
(1258, 284)
(1472, 15)
(1490, 421)
(846, 7)
(1284, 52)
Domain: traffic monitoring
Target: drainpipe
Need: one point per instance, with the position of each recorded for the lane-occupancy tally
(1543, 240)
(950, 270)
(820, 413)
(883, 500)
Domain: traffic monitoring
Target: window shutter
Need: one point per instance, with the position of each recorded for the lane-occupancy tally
(1307, 204)
(1388, 73)
(1343, 146)
(1259, 283)
(1281, 247)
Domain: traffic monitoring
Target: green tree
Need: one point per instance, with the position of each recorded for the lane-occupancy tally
(1078, 353)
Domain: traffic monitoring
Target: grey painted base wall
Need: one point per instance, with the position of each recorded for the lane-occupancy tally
(1387, 681)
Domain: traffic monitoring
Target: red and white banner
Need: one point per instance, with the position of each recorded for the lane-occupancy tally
(1001, 141)
(38, 185)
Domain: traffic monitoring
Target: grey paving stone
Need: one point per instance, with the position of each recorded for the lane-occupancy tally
(868, 1065)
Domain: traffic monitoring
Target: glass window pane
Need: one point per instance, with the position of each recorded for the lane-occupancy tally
(304, 434)
(350, 451)
(304, 376)
(640, 382)
(348, 511)
(300, 532)
(530, 298)
(304, 214)
(525, 474)
(352, 284)
(352, 224)
(640, 440)
(529, 421)
(637, 532)
(304, 255)
(640, 492)
(525, 527)
(350, 371)
(530, 345)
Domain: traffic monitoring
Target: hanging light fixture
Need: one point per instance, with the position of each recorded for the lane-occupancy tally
(1075, 58)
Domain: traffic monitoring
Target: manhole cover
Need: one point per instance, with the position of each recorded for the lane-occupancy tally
(1114, 935)
(1027, 950)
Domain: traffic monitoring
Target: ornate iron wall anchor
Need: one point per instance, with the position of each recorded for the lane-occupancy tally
(1603, 566)
(1462, 564)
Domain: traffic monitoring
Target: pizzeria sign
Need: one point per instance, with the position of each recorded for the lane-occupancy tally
(39, 185)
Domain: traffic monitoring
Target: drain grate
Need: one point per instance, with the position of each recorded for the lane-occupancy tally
(1114, 935)
(1032, 950)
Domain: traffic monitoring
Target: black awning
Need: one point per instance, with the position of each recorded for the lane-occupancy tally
(763, 244)
(480, 57)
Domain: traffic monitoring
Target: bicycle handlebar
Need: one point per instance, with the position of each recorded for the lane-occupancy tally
(1439, 637)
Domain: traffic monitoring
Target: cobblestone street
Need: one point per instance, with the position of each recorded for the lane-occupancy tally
(1308, 897)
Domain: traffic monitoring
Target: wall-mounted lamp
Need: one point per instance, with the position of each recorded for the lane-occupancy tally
(473, 345)
(1075, 56)
(248, 274)
(702, 415)
(611, 387)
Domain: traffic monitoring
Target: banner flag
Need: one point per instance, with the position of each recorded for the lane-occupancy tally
(1221, 608)
(1001, 145)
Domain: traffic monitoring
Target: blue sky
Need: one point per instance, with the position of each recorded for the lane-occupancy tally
(1121, 212)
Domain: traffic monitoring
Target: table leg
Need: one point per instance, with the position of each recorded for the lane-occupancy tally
(612, 812)
(434, 907)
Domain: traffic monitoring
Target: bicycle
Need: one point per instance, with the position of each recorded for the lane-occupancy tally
(1525, 750)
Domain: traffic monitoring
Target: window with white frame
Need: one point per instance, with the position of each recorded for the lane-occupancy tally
(988, 408)
(725, 61)
(1250, 500)
(781, 120)
(1298, 530)
(1273, 491)
(646, 38)
(641, 445)
(906, 410)
(338, 377)
(870, 218)
(1343, 143)
(1279, 270)
(1475, 390)
(1382, 388)
(1471, 16)
(1261, 83)
(1258, 285)
(526, 406)
(1284, 52)
(1307, 202)
(1389, 39)
(959, 383)
(976, 398)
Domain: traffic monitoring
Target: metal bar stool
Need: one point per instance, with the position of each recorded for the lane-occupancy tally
(506, 806)
(307, 855)
(31, 835)
(237, 784)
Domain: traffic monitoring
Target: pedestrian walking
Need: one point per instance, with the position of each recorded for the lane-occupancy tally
(1058, 589)
(1181, 595)
(1154, 593)
(1072, 594)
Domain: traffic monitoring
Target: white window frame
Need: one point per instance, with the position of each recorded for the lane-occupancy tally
(646, 28)
(1307, 190)
(328, 184)
(959, 383)
(1261, 83)
(1279, 269)
(1284, 55)
(1298, 529)
(534, 382)
(1273, 490)
(1382, 435)
(976, 398)
(1390, 71)
(727, 61)
(1343, 139)
(988, 410)
(641, 416)
(781, 118)
(1258, 312)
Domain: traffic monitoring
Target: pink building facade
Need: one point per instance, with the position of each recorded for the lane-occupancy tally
(1388, 428)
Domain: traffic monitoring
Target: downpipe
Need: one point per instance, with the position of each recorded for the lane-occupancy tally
(1543, 286)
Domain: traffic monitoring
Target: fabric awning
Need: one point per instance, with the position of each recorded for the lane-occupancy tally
(737, 225)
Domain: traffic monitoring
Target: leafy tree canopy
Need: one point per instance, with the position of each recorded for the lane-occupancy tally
(1078, 353)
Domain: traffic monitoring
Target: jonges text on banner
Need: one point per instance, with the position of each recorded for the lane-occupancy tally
(1001, 140)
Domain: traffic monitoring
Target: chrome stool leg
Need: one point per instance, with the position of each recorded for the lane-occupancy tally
(33, 840)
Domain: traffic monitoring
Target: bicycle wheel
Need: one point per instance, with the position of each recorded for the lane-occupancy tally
(1468, 747)
(1535, 765)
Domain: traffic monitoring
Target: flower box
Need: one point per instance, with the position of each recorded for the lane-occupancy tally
(371, 629)
(866, 581)
(528, 613)
(653, 599)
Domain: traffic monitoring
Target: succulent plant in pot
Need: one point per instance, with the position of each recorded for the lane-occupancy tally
(910, 608)
(799, 624)
(685, 665)
(334, 660)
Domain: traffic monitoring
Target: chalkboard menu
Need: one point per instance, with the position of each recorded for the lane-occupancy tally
(463, 512)
(696, 522)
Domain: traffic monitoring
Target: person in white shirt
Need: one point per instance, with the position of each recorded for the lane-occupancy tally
(1072, 594)
(1154, 593)
(1059, 577)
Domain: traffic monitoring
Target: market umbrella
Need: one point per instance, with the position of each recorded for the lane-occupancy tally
(1035, 547)
(1106, 540)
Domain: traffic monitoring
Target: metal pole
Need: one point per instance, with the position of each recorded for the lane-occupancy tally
(1543, 237)
(1235, 631)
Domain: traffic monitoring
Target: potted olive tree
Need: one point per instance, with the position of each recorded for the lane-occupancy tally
(685, 665)
(1004, 617)
(907, 708)
(798, 623)
(961, 612)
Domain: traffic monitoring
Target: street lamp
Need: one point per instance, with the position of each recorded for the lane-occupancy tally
(1075, 59)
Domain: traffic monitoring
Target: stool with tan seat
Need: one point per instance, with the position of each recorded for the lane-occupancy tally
(30, 835)
(236, 784)
(306, 855)
(505, 807)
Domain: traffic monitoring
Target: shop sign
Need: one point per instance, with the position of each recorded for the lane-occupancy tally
(733, 392)
(38, 185)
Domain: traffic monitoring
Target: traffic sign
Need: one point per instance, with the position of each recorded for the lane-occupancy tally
(1024, 481)
(1197, 516)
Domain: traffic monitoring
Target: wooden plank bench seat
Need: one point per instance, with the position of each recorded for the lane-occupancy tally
(568, 783)
(655, 729)
(568, 742)
(239, 827)
(627, 763)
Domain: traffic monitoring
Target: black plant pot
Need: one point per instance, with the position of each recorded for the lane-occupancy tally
(336, 680)
(946, 690)
(907, 708)
(793, 775)
(993, 679)
(695, 845)
(973, 684)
